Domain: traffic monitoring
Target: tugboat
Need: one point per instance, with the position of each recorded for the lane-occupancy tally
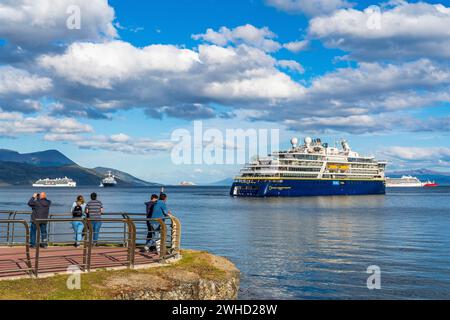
(109, 180)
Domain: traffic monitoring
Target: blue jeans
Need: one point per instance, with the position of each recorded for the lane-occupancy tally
(43, 230)
(78, 227)
(96, 225)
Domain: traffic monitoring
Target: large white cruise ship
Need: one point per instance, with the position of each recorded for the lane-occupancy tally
(311, 169)
(55, 183)
(408, 182)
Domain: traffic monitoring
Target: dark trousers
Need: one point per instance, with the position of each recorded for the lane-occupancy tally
(150, 232)
(43, 231)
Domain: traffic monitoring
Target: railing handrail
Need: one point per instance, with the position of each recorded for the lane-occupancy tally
(130, 234)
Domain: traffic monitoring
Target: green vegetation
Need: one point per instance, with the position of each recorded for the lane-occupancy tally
(104, 284)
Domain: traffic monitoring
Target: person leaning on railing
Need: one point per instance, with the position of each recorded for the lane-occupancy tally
(94, 210)
(150, 230)
(40, 207)
(78, 209)
(160, 211)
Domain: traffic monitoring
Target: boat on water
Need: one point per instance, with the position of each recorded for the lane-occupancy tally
(109, 180)
(430, 184)
(187, 184)
(404, 182)
(408, 182)
(55, 183)
(311, 169)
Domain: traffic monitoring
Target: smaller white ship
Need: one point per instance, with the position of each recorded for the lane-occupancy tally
(109, 180)
(187, 184)
(55, 183)
(404, 182)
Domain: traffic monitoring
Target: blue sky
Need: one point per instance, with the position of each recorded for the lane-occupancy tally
(112, 92)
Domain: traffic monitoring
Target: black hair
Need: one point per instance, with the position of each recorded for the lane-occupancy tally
(162, 196)
(93, 196)
(154, 196)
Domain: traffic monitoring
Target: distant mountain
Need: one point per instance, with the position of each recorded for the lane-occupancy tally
(24, 169)
(48, 158)
(225, 182)
(423, 175)
(125, 177)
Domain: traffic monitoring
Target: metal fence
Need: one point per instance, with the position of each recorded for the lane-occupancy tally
(121, 242)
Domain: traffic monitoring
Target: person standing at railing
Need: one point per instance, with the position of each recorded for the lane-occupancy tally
(149, 214)
(40, 207)
(160, 211)
(94, 210)
(78, 209)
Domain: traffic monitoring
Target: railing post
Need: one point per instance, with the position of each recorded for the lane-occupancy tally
(85, 246)
(89, 237)
(163, 239)
(27, 246)
(37, 248)
(131, 242)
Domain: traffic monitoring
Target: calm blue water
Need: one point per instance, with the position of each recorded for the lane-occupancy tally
(305, 248)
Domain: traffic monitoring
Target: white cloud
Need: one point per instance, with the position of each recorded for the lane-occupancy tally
(115, 75)
(296, 46)
(34, 23)
(397, 32)
(101, 65)
(15, 81)
(116, 143)
(13, 124)
(291, 65)
(418, 153)
(261, 38)
(309, 7)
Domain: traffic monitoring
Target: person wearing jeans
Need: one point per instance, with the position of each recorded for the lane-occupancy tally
(160, 211)
(43, 232)
(40, 207)
(78, 208)
(94, 211)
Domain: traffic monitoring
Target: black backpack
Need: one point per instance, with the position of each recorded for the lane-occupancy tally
(77, 212)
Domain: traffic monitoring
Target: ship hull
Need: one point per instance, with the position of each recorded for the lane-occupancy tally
(306, 187)
(108, 185)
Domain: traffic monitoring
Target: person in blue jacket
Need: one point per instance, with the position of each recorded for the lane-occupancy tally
(160, 211)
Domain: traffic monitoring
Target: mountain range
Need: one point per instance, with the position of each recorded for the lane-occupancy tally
(24, 169)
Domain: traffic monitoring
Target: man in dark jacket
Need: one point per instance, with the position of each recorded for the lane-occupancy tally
(40, 206)
(149, 210)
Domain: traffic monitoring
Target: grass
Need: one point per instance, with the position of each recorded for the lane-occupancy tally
(94, 285)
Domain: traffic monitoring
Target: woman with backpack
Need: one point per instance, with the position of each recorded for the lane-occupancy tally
(78, 209)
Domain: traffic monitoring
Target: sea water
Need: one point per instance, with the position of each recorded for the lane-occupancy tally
(303, 248)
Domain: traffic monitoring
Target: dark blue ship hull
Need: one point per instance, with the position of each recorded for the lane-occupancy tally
(306, 187)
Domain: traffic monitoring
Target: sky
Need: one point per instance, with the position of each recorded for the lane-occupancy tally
(108, 83)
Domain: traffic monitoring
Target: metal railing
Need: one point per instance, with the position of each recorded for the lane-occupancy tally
(121, 241)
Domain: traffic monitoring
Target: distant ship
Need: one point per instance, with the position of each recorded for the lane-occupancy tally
(404, 182)
(187, 184)
(55, 183)
(430, 184)
(311, 169)
(109, 180)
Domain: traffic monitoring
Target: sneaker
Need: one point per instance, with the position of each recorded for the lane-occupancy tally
(147, 249)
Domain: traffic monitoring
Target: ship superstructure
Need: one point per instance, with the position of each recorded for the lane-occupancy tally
(311, 169)
(109, 180)
(55, 183)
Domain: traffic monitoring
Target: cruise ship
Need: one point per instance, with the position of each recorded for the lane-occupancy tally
(109, 180)
(311, 169)
(55, 183)
(408, 182)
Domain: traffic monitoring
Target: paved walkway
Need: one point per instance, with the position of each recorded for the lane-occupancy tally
(58, 259)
